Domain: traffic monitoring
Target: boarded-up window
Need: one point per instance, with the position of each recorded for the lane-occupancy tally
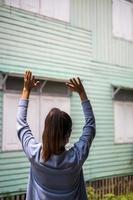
(54, 94)
(10, 139)
(123, 114)
(58, 9)
(14, 3)
(123, 19)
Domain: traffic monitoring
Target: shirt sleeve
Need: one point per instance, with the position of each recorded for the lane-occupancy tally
(81, 148)
(25, 136)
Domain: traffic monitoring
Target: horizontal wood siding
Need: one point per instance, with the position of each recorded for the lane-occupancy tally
(96, 16)
(112, 62)
(50, 49)
(56, 50)
(1, 114)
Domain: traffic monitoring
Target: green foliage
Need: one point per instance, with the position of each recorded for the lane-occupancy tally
(130, 196)
(126, 197)
(110, 197)
(93, 196)
(121, 197)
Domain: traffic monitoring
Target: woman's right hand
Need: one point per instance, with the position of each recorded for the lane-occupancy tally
(76, 86)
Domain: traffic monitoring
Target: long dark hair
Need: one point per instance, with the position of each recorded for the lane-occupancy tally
(57, 130)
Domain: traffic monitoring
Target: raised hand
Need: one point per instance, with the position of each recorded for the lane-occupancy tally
(29, 81)
(77, 86)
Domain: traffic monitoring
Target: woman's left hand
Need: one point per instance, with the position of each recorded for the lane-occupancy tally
(29, 81)
(29, 84)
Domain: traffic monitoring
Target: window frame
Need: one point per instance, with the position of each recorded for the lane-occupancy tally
(117, 138)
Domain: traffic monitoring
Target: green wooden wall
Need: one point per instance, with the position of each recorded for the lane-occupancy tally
(96, 15)
(112, 63)
(49, 49)
(59, 50)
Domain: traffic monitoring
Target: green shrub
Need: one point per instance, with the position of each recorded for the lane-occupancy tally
(110, 197)
(126, 197)
(93, 196)
(121, 197)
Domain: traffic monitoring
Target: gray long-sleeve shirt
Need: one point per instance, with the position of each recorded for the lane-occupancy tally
(61, 177)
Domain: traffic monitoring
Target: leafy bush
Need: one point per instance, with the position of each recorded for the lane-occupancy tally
(92, 196)
(110, 197)
(121, 197)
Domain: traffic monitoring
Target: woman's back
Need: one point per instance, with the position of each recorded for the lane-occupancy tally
(60, 177)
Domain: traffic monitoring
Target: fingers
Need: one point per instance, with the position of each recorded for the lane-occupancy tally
(25, 76)
(79, 81)
(30, 80)
(28, 76)
(74, 82)
(70, 85)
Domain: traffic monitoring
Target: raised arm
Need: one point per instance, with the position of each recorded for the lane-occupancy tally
(83, 145)
(23, 130)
